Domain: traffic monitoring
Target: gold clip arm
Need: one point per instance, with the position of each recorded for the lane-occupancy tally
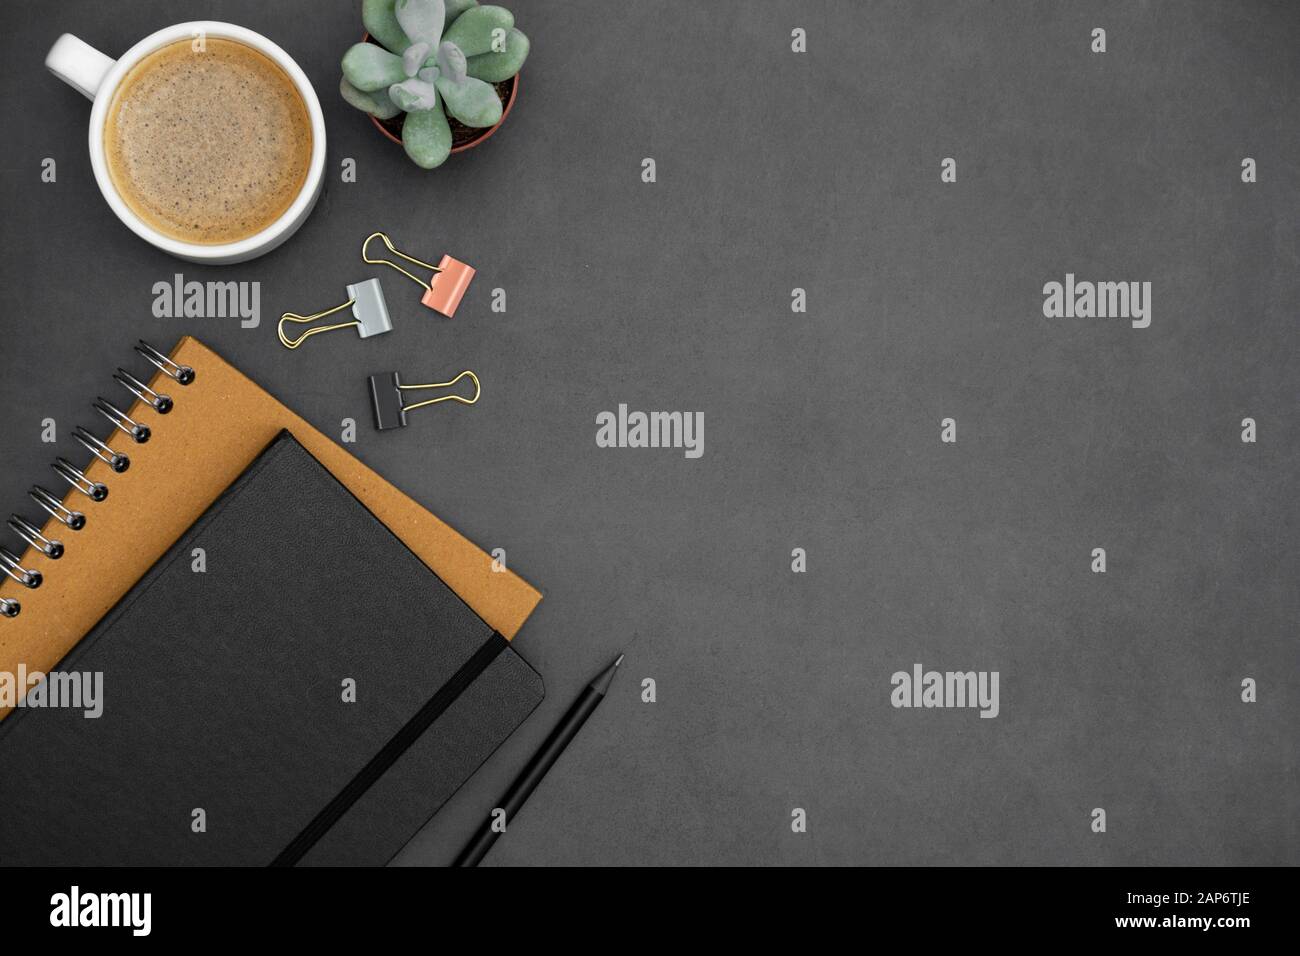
(478, 390)
(295, 317)
(365, 257)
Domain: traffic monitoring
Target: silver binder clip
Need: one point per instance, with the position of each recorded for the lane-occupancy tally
(9, 607)
(369, 315)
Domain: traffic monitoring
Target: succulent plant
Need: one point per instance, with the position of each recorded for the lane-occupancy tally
(438, 58)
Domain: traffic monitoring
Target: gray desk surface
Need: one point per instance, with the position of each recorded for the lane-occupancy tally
(778, 170)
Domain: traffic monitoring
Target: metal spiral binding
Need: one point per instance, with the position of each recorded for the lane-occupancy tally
(122, 421)
(32, 535)
(114, 459)
(73, 520)
(10, 563)
(182, 374)
(94, 490)
(162, 404)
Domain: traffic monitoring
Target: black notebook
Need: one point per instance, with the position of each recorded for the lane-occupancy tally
(288, 684)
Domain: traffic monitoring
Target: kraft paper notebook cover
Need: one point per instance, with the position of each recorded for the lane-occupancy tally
(218, 424)
(223, 690)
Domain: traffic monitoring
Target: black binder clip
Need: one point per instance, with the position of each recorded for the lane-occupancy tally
(386, 397)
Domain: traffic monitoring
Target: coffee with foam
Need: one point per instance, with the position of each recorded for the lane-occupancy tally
(208, 141)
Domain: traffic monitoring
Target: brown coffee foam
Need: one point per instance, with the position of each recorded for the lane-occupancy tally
(218, 425)
(208, 146)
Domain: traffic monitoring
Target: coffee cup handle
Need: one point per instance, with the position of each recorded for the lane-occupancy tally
(78, 64)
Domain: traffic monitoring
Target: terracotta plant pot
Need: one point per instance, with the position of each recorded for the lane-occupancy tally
(507, 90)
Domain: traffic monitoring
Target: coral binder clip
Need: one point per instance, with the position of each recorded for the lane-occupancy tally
(369, 315)
(445, 288)
(386, 397)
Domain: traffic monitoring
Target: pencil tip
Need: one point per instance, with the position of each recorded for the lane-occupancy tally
(602, 680)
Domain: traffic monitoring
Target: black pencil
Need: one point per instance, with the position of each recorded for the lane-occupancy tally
(533, 773)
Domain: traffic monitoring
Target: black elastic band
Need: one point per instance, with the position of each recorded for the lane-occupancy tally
(391, 751)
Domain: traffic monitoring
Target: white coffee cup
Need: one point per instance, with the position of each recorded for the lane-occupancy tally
(97, 76)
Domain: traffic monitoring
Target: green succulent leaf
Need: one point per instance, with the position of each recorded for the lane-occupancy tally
(381, 24)
(455, 8)
(414, 57)
(369, 67)
(475, 29)
(471, 101)
(376, 102)
(421, 20)
(451, 61)
(426, 137)
(432, 59)
(413, 95)
(495, 67)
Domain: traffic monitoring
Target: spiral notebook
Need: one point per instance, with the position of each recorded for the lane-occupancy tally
(312, 695)
(205, 422)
